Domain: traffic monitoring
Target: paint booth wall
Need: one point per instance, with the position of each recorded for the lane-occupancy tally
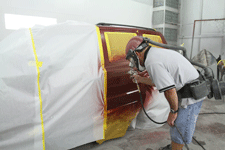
(131, 12)
(209, 35)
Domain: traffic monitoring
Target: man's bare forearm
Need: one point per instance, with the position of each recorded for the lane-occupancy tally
(144, 80)
(171, 96)
(147, 81)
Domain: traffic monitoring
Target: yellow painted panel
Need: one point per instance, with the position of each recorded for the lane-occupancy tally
(116, 44)
(118, 121)
(105, 79)
(155, 38)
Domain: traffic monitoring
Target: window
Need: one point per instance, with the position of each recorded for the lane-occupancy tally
(15, 22)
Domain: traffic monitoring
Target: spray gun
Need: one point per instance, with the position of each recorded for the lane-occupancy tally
(133, 72)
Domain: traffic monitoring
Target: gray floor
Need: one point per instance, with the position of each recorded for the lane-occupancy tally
(210, 131)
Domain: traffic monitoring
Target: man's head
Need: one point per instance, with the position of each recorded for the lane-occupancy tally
(135, 51)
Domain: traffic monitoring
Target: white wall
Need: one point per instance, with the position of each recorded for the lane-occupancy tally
(130, 12)
(207, 35)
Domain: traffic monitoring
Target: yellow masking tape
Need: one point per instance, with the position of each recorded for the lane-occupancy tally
(38, 65)
(105, 79)
(222, 61)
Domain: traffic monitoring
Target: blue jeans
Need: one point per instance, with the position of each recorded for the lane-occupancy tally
(185, 122)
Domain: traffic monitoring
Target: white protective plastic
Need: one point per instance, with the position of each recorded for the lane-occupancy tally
(157, 108)
(71, 88)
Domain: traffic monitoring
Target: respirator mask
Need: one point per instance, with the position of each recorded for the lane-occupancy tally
(133, 58)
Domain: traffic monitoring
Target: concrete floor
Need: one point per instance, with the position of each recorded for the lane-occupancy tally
(210, 131)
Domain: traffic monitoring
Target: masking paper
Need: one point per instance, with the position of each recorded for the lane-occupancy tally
(157, 108)
(51, 88)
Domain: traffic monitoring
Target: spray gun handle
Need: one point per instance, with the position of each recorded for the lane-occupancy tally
(131, 75)
(132, 72)
(135, 81)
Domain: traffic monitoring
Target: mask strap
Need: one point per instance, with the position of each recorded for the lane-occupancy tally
(146, 52)
(141, 47)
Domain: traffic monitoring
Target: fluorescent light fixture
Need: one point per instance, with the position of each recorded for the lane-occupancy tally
(15, 22)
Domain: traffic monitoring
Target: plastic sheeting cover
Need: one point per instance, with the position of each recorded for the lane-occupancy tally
(70, 97)
(158, 109)
(204, 57)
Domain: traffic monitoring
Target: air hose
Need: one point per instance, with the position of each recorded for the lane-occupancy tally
(139, 91)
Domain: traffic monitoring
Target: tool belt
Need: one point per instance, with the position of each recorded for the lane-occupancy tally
(197, 89)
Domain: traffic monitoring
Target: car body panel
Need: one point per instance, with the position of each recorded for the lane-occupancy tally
(122, 100)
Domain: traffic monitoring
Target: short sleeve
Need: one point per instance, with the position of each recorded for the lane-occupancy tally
(162, 79)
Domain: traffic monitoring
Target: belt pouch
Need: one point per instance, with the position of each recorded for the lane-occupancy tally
(199, 90)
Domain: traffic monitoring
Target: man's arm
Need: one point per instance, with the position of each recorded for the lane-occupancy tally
(144, 80)
(171, 96)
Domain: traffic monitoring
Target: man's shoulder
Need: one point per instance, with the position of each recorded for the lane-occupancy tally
(157, 55)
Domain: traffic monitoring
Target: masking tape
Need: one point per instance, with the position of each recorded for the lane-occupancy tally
(38, 65)
(105, 79)
(222, 61)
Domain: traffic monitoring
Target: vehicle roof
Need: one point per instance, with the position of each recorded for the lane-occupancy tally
(125, 26)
